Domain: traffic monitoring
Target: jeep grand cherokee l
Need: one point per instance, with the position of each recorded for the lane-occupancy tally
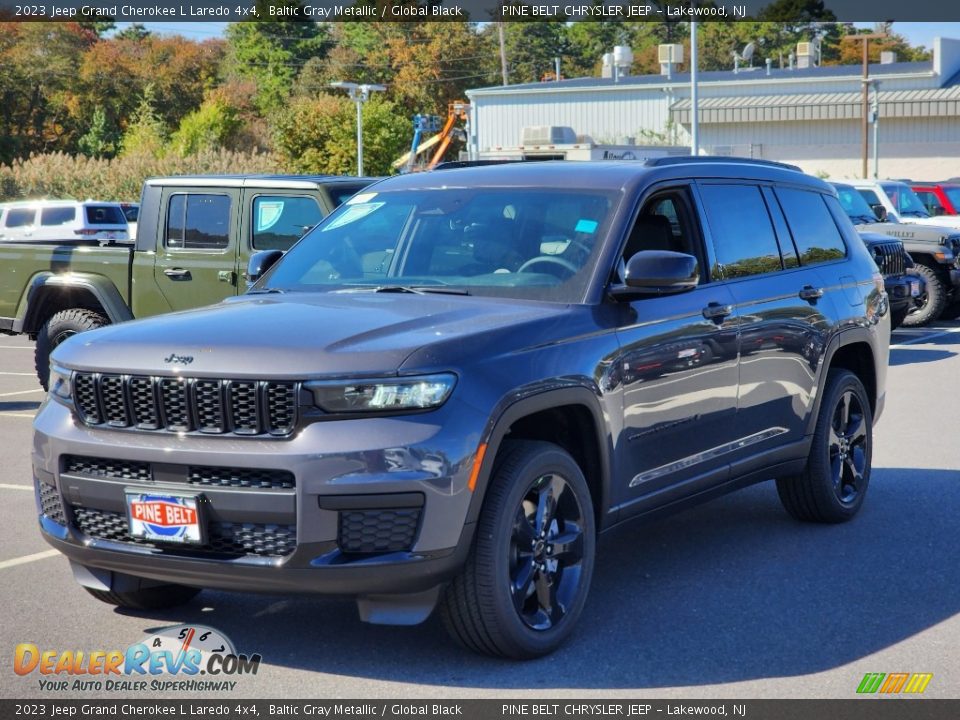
(445, 391)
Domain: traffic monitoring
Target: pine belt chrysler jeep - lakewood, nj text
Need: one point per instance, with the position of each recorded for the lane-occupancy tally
(444, 391)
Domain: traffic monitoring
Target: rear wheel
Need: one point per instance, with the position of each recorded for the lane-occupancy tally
(832, 486)
(525, 581)
(157, 597)
(933, 303)
(61, 326)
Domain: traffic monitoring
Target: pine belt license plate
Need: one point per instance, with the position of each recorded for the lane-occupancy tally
(165, 517)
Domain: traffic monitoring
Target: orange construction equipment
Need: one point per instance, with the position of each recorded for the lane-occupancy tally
(457, 110)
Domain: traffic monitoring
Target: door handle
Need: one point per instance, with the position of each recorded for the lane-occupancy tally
(227, 276)
(811, 293)
(715, 311)
(178, 274)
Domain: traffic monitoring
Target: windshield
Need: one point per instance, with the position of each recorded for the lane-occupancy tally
(537, 244)
(905, 200)
(854, 205)
(953, 193)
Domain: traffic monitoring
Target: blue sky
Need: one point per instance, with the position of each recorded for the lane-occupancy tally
(918, 33)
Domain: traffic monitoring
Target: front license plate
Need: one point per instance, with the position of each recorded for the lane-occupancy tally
(165, 517)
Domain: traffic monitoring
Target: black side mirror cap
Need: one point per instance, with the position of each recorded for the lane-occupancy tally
(658, 272)
(880, 211)
(259, 263)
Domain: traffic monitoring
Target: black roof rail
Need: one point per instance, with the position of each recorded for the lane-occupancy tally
(454, 164)
(710, 159)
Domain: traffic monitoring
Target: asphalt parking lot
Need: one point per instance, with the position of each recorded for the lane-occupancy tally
(730, 600)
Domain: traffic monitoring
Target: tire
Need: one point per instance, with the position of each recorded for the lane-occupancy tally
(482, 608)
(832, 486)
(58, 328)
(934, 302)
(158, 597)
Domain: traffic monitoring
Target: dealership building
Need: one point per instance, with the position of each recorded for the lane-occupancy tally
(810, 116)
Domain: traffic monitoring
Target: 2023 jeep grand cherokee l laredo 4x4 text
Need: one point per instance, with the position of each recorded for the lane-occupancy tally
(447, 388)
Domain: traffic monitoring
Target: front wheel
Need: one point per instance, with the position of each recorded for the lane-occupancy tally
(61, 326)
(832, 486)
(525, 581)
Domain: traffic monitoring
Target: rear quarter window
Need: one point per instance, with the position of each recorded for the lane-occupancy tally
(105, 215)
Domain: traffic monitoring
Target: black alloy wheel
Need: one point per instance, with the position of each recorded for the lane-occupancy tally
(546, 552)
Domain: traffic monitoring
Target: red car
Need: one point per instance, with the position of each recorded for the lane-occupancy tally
(939, 198)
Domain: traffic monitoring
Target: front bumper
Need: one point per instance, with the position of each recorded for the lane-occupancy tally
(903, 290)
(377, 506)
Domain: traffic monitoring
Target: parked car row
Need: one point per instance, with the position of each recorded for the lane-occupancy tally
(894, 208)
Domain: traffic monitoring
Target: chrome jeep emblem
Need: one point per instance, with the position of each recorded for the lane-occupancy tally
(178, 359)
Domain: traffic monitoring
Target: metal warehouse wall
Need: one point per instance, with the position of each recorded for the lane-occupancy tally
(923, 148)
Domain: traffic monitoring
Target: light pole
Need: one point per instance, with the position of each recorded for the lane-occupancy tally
(359, 94)
(694, 104)
(875, 119)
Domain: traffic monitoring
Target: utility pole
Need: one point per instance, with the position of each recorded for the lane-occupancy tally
(694, 104)
(865, 39)
(503, 53)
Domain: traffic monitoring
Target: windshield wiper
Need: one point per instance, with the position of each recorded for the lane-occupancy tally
(864, 219)
(265, 291)
(421, 289)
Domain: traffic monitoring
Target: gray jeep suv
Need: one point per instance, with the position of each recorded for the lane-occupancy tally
(447, 389)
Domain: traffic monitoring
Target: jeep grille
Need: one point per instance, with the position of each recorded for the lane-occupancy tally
(217, 407)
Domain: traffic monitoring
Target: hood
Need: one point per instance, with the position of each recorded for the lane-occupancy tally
(944, 221)
(909, 231)
(299, 335)
(872, 238)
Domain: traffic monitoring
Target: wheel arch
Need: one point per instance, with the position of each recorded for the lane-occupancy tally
(851, 351)
(571, 418)
(49, 293)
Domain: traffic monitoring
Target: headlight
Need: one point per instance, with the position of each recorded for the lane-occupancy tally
(383, 395)
(61, 389)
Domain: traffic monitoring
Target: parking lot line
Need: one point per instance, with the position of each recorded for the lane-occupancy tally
(21, 392)
(16, 414)
(28, 558)
(16, 347)
(924, 338)
(15, 486)
(3, 372)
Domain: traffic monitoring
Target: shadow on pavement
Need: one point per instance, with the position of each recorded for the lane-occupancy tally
(733, 590)
(911, 355)
(19, 406)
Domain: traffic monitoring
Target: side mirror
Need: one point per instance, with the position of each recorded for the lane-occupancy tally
(259, 263)
(880, 211)
(658, 272)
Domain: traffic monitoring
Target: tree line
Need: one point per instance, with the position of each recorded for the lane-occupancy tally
(84, 92)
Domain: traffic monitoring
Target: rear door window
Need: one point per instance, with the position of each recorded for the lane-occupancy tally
(198, 222)
(105, 215)
(279, 221)
(58, 215)
(20, 217)
(743, 236)
(814, 232)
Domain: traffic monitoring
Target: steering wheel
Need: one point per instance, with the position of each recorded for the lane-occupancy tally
(549, 260)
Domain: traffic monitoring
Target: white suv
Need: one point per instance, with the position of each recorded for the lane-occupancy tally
(62, 220)
(900, 203)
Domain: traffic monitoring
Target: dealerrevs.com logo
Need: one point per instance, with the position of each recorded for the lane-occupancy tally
(187, 658)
